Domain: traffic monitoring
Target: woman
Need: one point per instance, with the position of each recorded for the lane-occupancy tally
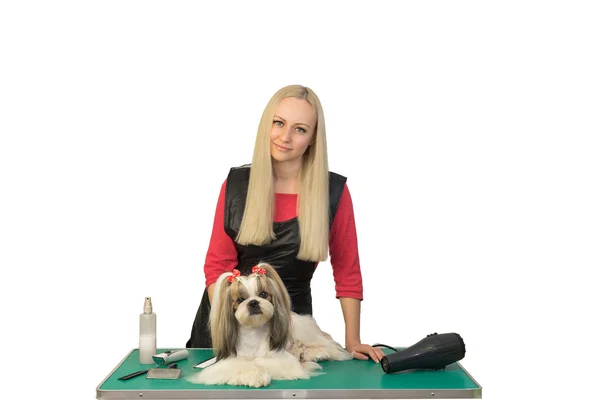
(289, 210)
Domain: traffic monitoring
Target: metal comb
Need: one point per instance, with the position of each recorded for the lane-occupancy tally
(164, 373)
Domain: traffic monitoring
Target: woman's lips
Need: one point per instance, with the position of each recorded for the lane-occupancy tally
(281, 148)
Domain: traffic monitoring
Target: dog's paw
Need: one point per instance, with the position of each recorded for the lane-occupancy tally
(297, 349)
(312, 368)
(207, 377)
(338, 353)
(253, 377)
(324, 353)
(316, 353)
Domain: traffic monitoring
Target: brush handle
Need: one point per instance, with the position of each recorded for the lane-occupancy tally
(133, 375)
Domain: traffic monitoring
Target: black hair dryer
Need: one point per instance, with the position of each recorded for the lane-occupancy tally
(433, 352)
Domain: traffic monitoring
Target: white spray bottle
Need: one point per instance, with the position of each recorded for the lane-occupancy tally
(147, 333)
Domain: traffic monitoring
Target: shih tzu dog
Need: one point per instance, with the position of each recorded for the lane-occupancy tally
(258, 338)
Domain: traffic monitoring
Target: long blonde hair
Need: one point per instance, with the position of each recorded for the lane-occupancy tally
(313, 210)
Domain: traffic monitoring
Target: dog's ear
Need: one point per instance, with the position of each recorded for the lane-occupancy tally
(223, 325)
(277, 283)
(281, 322)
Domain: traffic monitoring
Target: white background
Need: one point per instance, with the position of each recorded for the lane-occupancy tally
(468, 132)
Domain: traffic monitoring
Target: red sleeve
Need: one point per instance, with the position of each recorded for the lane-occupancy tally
(343, 250)
(222, 254)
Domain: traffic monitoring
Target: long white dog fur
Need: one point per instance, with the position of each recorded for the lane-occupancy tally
(258, 338)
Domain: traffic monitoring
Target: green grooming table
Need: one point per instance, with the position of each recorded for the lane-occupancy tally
(352, 379)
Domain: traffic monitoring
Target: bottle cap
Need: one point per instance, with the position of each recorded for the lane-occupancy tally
(148, 306)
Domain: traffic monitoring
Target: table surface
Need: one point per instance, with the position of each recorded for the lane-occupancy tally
(352, 379)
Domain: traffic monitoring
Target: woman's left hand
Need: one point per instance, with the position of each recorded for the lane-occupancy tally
(364, 351)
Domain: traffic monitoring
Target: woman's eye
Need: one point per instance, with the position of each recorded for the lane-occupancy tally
(279, 123)
(301, 130)
(264, 295)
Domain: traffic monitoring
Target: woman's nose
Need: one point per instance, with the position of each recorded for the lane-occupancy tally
(286, 135)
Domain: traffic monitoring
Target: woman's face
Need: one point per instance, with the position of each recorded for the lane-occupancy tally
(293, 129)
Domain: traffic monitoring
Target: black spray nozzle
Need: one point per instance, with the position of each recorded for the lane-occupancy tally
(433, 352)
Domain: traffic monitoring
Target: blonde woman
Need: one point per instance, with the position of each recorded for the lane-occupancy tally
(287, 209)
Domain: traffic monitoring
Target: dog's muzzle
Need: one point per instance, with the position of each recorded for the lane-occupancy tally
(254, 307)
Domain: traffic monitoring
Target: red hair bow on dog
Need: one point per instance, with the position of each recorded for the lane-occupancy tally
(236, 274)
(257, 270)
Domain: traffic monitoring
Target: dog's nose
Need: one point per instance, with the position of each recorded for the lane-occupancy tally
(253, 303)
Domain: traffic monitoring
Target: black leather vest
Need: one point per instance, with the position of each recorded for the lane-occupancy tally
(280, 253)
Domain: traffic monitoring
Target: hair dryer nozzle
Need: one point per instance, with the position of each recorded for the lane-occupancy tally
(433, 352)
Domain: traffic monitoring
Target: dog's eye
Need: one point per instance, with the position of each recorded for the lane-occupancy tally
(264, 295)
(240, 300)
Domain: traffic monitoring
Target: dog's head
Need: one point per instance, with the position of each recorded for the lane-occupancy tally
(249, 301)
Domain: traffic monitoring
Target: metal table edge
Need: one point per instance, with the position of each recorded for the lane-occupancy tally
(297, 394)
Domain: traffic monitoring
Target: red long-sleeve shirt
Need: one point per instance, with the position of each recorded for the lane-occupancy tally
(343, 246)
